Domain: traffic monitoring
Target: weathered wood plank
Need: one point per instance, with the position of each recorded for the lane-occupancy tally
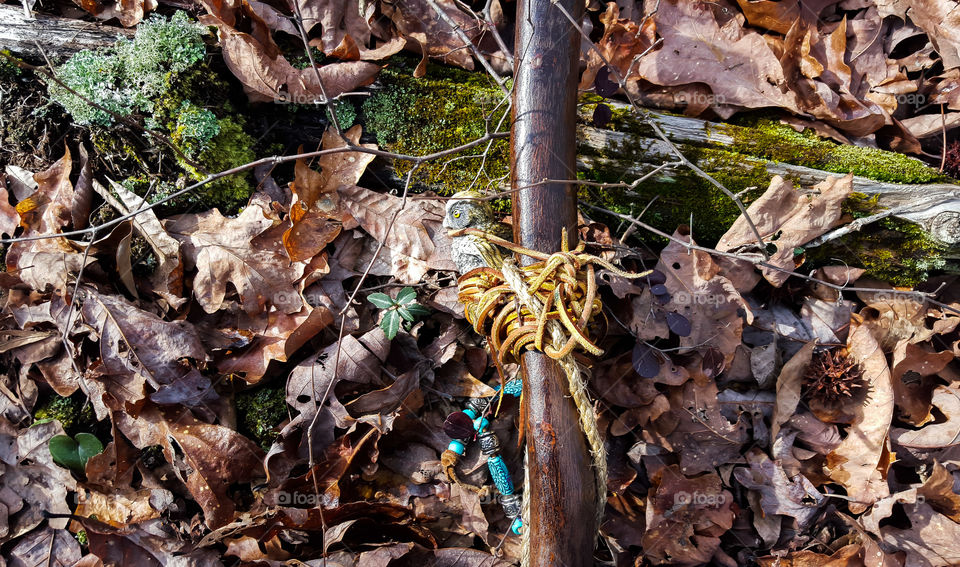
(59, 37)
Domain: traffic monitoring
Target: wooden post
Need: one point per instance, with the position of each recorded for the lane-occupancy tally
(562, 489)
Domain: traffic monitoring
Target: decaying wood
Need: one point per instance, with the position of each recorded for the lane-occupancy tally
(59, 37)
(934, 206)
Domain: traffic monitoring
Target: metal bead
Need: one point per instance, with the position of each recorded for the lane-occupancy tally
(511, 505)
(476, 405)
(489, 444)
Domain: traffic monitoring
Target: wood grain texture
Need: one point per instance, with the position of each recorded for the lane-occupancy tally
(543, 146)
(59, 37)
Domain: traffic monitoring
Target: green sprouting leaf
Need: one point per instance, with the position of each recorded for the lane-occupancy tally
(381, 300)
(74, 453)
(406, 295)
(418, 310)
(88, 446)
(406, 314)
(65, 452)
(390, 323)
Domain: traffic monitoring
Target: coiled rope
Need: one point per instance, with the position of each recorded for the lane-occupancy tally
(520, 308)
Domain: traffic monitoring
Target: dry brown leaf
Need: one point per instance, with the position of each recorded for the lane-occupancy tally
(914, 371)
(269, 77)
(120, 508)
(415, 18)
(167, 278)
(707, 300)
(696, 429)
(214, 457)
(622, 40)
(56, 548)
(417, 239)
(795, 497)
(934, 437)
(685, 517)
(270, 331)
(857, 464)
(940, 21)
(736, 63)
(317, 214)
(221, 251)
(135, 341)
(788, 387)
(798, 217)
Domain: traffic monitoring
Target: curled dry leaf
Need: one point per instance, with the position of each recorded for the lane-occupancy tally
(416, 234)
(795, 497)
(622, 41)
(858, 464)
(796, 217)
(214, 457)
(167, 278)
(268, 77)
(317, 215)
(220, 249)
(693, 40)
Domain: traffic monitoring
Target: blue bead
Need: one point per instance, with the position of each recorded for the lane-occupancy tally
(514, 388)
(457, 447)
(517, 526)
(470, 413)
(481, 423)
(500, 474)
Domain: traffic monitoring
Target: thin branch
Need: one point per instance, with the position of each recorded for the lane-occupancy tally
(752, 258)
(273, 160)
(467, 42)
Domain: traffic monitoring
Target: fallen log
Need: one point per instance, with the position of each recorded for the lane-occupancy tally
(58, 37)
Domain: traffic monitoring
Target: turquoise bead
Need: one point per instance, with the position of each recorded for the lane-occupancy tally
(500, 474)
(457, 447)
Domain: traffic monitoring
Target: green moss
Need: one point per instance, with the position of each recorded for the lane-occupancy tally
(232, 147)
(260, 411)
(73, 413)
(8, 69)
(673, 197)
(778, 142)
(129, 75)
(445, 109)
(891, 250)
(195, 128)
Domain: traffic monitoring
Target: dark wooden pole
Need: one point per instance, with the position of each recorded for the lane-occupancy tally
(543, 146)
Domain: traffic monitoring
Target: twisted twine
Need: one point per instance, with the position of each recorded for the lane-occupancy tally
(517, 307)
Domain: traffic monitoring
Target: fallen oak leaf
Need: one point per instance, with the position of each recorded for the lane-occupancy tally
(135, 341)
(221, 251)
(269, 77)
(214, 457)
(796, 216)
(858, 462)
(317, 215)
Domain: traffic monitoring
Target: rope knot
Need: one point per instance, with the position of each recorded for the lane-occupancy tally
(517, 307)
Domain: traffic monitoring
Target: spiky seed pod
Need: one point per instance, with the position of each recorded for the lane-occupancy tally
(833, 377)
